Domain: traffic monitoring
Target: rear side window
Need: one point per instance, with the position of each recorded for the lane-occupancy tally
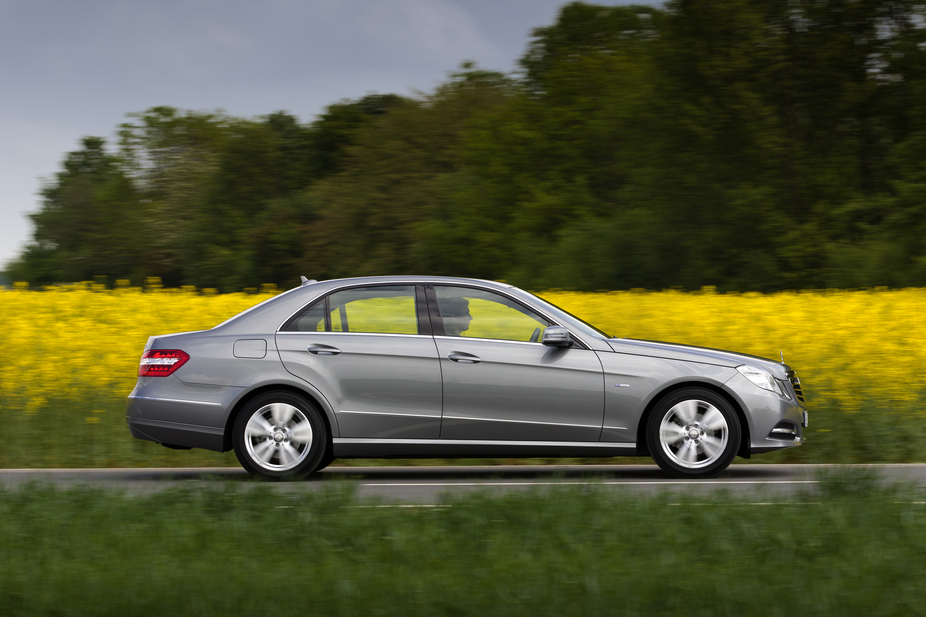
(310, 320)
(388, 309)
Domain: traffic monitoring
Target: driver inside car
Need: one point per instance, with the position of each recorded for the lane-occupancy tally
(456, 315)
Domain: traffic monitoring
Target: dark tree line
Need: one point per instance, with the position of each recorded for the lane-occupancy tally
(751, 145)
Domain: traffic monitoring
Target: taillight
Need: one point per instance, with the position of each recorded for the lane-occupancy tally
(161, 362)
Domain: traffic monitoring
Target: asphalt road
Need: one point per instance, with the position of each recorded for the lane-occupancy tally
(425, 485)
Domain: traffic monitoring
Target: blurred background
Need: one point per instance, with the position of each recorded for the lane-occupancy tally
(759, 166)
(742, 145)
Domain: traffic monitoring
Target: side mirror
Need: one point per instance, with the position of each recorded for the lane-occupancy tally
(557, 336)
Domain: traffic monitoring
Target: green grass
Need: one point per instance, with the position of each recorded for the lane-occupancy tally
(851, 547)
(92, 433)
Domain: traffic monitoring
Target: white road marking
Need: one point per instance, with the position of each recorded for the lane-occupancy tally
(608, 483)
(753, 503)
(405, 505)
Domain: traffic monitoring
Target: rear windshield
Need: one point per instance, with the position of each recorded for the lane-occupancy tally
(258, 305)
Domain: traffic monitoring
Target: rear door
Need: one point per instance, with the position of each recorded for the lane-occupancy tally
(370, 353)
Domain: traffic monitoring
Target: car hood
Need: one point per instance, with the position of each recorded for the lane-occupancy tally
(690, 353)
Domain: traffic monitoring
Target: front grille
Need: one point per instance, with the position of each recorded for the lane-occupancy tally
(796, 384)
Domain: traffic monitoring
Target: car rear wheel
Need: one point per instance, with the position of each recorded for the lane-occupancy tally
(327, 458)
(280, 435)
(693, 433)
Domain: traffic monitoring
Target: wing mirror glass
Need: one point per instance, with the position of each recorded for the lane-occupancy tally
(557, 336)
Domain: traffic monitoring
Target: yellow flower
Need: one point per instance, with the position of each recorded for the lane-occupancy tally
(82, 343)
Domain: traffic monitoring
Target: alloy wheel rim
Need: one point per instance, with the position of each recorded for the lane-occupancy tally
(278, 436)
(693, 434)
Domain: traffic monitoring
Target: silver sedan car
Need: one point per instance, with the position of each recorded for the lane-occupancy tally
(419, 366)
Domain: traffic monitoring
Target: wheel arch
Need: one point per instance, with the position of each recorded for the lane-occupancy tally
(745, 439)
(275, 387)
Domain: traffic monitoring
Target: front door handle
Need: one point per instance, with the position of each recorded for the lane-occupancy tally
(324, 350)
(464, 358)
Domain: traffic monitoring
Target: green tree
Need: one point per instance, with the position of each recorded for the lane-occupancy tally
(171, 157)
(397, 178)
(748, 145)
(84, 228)
(555, 165)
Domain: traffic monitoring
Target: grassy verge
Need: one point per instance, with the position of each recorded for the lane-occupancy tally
(92, 433)
(850, 548)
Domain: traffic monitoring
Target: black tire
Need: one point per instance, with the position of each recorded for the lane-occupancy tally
(693, 433)
(327, 458)
(280, 435)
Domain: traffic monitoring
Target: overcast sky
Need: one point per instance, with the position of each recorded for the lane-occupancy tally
(71, 68)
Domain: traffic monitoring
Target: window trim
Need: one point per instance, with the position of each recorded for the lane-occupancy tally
(429, 321)
(438, 323)
(422, 317)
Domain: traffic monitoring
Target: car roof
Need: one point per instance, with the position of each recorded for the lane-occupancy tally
(395, 278)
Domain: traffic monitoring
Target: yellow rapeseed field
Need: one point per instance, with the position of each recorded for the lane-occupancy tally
(850, 348)
(81, 343)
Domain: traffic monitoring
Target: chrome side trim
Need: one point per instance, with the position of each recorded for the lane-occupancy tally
(173, 400)
(387, 413)
(616, 428)
(352, 333)
(480, 442)
(520, 421)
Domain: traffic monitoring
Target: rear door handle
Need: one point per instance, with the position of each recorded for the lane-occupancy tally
(464, 358)
(324, 350)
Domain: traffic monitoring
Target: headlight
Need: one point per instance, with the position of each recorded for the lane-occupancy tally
(761, 378)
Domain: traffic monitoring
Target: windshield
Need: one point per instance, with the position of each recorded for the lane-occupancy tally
(572, 320)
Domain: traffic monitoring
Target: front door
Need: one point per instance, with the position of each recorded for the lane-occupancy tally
(501, 383)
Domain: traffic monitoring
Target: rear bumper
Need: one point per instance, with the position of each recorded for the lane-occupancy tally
(176, 434)
(168, 411)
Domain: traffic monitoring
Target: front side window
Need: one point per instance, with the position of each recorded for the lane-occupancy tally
(382, 310)
(474, 313)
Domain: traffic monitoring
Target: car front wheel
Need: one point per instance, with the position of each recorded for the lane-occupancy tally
(280, 435)
(693, 433)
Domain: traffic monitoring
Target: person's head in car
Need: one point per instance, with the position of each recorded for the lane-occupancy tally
(456, 316)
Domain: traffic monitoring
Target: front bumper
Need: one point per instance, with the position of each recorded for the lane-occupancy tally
(775, 422)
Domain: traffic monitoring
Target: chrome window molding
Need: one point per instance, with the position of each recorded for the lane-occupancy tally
(446, 337)
(335, 290)
(413, 281)
(352, 333)
(553, 322)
